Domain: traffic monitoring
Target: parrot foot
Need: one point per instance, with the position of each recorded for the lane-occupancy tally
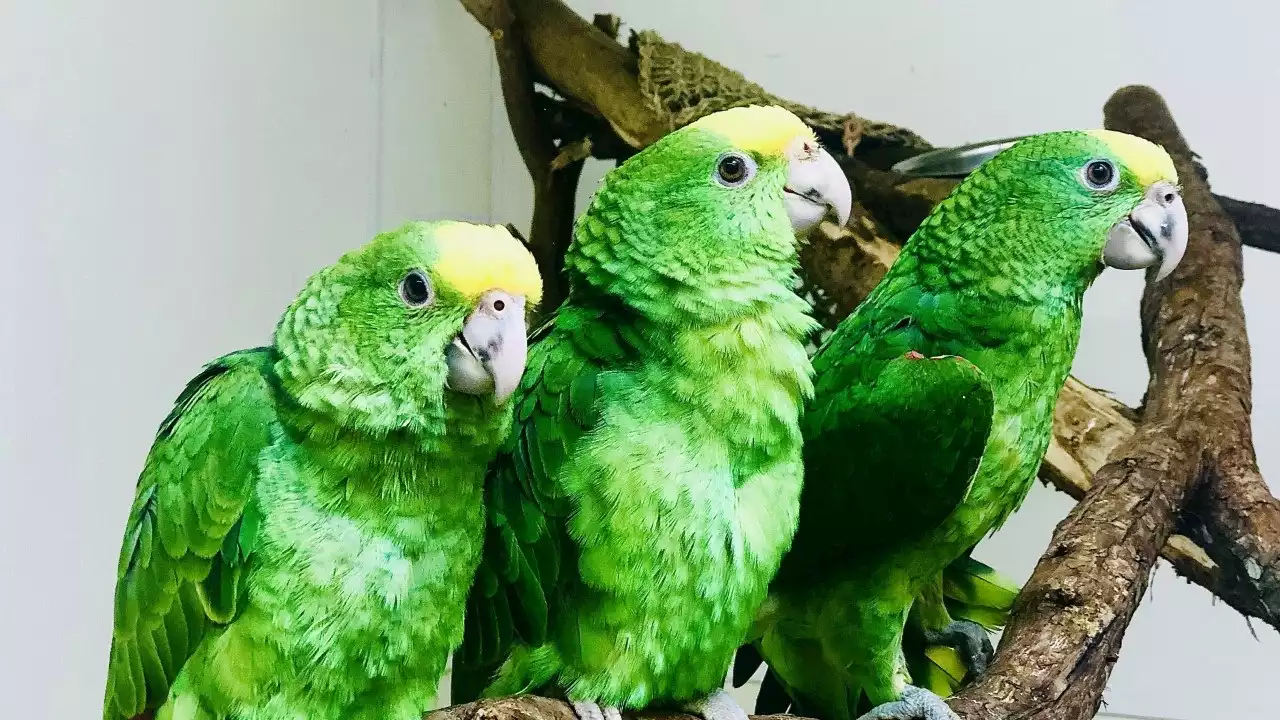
(592, 711)
(719, 705)
(914, 704)
(970, 639)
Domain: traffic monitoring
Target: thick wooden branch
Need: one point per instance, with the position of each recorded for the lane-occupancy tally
(584, 64)
(529, 707)
(1235, 514)
(1067, 626)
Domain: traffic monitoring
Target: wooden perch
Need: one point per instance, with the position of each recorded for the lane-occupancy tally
(540, 708)
(1067, 626)
(1234, 514)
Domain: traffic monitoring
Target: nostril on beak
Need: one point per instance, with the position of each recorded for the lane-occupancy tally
(1169, 197)
(499, 305)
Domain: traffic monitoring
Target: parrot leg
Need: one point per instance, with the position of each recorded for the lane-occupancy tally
(719, 705)
(970, 639)
(592, 711)
(914, 704)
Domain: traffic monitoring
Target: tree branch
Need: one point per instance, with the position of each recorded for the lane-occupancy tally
(531, 707)
(1235, 515)
(555, 178)
(1258, 225)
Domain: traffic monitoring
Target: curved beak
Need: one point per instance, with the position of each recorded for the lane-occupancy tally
(489, 355)
(1154, 234)
(816, 187)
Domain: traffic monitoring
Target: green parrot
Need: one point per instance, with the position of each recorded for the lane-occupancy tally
(652, 483)
(934, 402)
(310, 516)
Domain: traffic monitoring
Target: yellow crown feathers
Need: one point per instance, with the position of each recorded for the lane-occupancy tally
(1146, 160)
(768, 130)
(474, 259)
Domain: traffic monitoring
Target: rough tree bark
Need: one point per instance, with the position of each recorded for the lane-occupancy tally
(1065, 633)
(540, 708)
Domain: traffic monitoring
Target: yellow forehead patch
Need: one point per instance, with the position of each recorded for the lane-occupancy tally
(1145, 159)
(768, 130)
(475, 259)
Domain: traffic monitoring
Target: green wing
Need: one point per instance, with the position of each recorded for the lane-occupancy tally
(529, 560)
(897, 428)
(899, 452)
(191, 529)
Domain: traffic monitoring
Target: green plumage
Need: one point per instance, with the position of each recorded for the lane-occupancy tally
(651, 485)
(933, 407)
(310, 514)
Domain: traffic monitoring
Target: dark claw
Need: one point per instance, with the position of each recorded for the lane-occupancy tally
(970, 639)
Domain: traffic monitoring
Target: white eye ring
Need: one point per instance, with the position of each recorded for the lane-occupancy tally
(734, 169)
(1100, 174)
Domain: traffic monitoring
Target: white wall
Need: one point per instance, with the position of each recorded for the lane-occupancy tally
(171, 172)
(962, 72)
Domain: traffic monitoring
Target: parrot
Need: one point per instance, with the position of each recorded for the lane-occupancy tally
(651, 484)
(310, 516)
(933, 406)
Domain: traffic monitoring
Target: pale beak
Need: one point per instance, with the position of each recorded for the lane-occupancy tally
(816, 187)
(1154, 234)
(489, 355)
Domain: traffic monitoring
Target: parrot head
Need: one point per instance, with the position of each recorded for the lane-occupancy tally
(384, 337)
(1101, 198)
(768, 147)
(710, 204)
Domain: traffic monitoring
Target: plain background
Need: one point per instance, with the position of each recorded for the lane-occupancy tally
(170, 172)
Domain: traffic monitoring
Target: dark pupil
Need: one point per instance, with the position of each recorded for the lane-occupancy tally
(415, 289)
(732, 168)
(1099, 173)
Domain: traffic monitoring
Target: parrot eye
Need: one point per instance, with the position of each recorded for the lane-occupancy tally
(1100, 175)
(734, 169)
(415, 289)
